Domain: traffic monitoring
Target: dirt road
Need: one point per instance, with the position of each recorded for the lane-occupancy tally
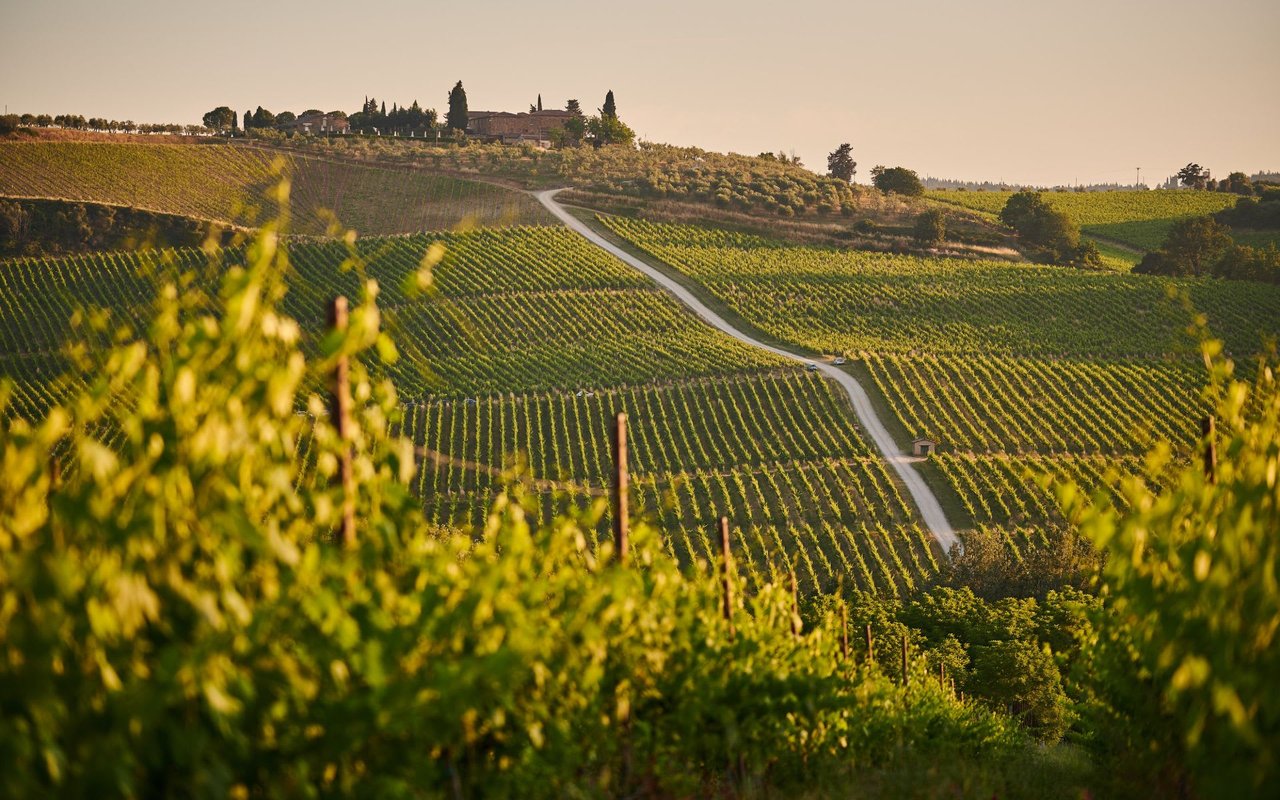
(924, 498)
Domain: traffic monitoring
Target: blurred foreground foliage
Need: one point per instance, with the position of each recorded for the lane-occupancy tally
(1179, 677)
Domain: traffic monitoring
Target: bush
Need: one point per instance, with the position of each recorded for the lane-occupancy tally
(930, 229)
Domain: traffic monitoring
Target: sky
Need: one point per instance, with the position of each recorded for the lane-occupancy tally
(1022, 91)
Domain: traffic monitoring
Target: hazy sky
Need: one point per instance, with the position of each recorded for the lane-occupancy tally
(1020, 90)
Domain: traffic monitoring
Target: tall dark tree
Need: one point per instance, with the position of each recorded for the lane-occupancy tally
(248, 120)
(539, 101)
(383, 112)
(840, 163)
(573, 107)
(610, 108)
(457, 116)
(1191, 175)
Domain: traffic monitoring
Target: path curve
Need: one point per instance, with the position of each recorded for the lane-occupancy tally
(926, 501)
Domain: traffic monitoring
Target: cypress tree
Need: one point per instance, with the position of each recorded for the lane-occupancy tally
(610, 109)
(457, 116)
(248, 120)
(539, 101)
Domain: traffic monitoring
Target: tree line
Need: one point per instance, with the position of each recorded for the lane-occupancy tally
(376, 119)
(78, 122)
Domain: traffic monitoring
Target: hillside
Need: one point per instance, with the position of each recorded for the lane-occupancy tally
(1017, 370)
(226, 183)
(680, 184)
(1138, 220)
(490, 519)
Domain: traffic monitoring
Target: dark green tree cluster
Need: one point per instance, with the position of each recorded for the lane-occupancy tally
(1236, 183)
(221, 120)
(607, 129)
(1202, 246)
(1249, 212)
(375, 118)
(898, 180)
(1012, 654)
(260, 119)
(1047, 234)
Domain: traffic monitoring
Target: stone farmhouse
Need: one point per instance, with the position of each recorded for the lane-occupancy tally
(504, 126)
(318, 123)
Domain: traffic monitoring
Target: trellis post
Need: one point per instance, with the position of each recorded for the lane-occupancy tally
(905, 652)
(1209, 435)
(844, 631)
(620, 511)
(726, 579)
(795, 605)
(340, 416)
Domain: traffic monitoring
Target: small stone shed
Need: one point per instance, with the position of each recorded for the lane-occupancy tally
(923, 446)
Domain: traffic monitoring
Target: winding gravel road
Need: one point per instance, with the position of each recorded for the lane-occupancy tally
(903, 464)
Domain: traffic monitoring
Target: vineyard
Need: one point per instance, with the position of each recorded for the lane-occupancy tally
(531, 341)
(225, 183)
(1018, 371)
(846, 302)
(1137, 219)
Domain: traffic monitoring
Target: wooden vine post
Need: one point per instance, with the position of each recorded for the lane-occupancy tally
(726, 578)
(340, 415)
(905, 652)
(620, 512)
(844, 631)
(1209, 435)
(795, 606)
